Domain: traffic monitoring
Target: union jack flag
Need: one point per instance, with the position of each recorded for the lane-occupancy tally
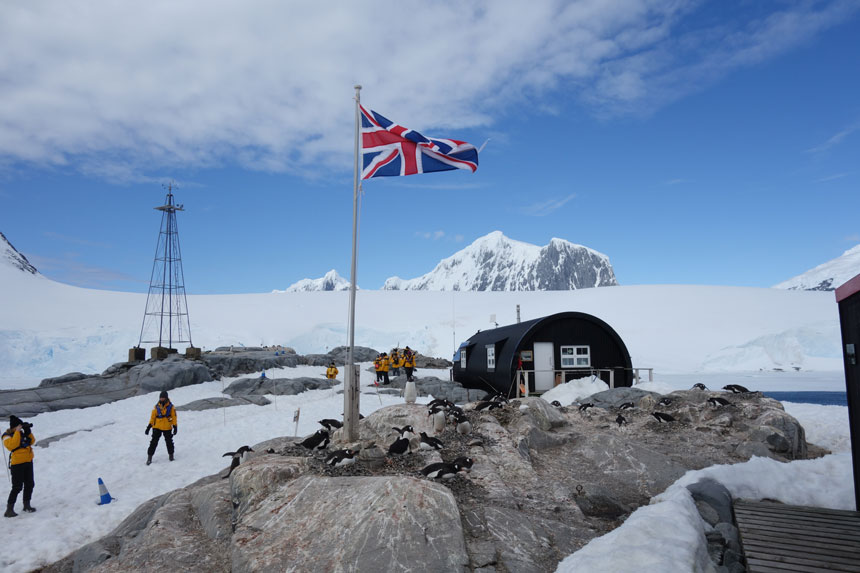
(390, 150)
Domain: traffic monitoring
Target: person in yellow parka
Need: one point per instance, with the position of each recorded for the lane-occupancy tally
(19, 440)
(409, 363)
(386, 363)
(396, 362)
(161, 421)
(377, 367)
(331, 371)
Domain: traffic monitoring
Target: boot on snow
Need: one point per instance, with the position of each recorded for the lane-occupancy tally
(9, 511)
(148, 460)
(29, 508)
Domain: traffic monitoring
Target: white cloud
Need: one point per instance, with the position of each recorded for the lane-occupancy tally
(546, 207)
(834, 140)
(833, 177)
(431, 235)
(117, 90)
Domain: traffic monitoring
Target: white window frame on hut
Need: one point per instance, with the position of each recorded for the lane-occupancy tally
(463, 358)
(575, 356)
(491, 357)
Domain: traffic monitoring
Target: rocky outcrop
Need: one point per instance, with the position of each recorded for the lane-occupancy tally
(226, 362)
(277, 386)
(72, 391)
(214, 403)
(545, 481)
(436, 387)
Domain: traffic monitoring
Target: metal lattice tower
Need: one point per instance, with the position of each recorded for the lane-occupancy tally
(165, 321)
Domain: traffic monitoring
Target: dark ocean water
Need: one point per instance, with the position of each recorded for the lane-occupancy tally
(824, 398)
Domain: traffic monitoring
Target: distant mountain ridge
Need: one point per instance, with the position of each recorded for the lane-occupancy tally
(496, 263)
(330, 282)
(827, 276)
(10, 256)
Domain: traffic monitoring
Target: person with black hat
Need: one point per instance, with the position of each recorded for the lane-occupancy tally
(19, 440)
(162, 420)
(331, 372)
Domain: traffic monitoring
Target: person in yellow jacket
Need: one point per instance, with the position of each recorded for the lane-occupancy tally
(162, 420)
(396, 362)
(331, 371)
(386, 363)
(409, 362)
(19, 440)
(377, 366)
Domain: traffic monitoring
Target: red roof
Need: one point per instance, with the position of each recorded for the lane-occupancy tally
(849, 288)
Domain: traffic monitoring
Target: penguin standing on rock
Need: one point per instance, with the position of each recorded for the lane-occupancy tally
(735, 389)
(318, 440)
(718, 402)
(441, 470)
(584, 407)
(340, 458)
(620, 420)
(663, 418)
(699, 386)
(238, 457)
(430, 443)
(464, 426)
(440, 418)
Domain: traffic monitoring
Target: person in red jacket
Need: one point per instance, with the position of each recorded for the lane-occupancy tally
(161, 421)
(19, 440)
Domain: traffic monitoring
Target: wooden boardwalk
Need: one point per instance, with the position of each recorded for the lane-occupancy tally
(779, 538)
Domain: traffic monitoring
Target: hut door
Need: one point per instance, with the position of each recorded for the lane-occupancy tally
(544, 366)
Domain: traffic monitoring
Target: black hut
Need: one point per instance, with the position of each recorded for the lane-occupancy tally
(553, 349)
(848, 298)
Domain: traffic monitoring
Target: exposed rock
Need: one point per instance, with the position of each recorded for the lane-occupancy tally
(213, 403)
(544, 482)
(226, 363)
(70, 377)
(143, 378)
(277, 386)
(360, 523)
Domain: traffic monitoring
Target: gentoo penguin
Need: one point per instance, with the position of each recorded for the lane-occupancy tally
(455, 412)
(735, 389)
(716, 402)
(331, 424)
(405, 432)
(441, 470)
(464, 426)
(399, 447)
(627, 406)
(465, 463)
(440, 403)
(556, 403)
(661, 417)
(500, 398)
(584, 407)
(487, 405)
(430, 443)
(340, 458)
(440, 418)
(318, 440)
(238, 457)
(620, 420)
(699, 386)
(665, 402)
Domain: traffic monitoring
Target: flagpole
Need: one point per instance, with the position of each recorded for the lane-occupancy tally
(352, 379)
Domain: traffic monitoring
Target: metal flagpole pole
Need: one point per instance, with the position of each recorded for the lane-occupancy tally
(352, 379)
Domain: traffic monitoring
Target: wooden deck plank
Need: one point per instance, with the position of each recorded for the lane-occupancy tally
(788, 528)
(781, 538)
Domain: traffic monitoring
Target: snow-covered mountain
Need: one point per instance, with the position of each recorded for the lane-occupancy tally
(827, 276)
(331, 281)
(496, 263)
(9, 256)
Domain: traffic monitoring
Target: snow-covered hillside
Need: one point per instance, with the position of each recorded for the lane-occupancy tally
(331, 281)
(10, 257)
(48, 328)
(829, 275)
(495, 262)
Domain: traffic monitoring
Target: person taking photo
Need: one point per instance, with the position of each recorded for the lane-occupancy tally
(19, 440)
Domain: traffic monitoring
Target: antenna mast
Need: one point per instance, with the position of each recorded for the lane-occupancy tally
(165, 320)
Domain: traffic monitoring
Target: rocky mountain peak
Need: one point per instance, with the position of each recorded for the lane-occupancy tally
(9, 256)
(827, 276)
(331, 281)
(496, 262)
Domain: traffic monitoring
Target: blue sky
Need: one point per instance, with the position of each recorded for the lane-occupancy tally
(691, 142)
